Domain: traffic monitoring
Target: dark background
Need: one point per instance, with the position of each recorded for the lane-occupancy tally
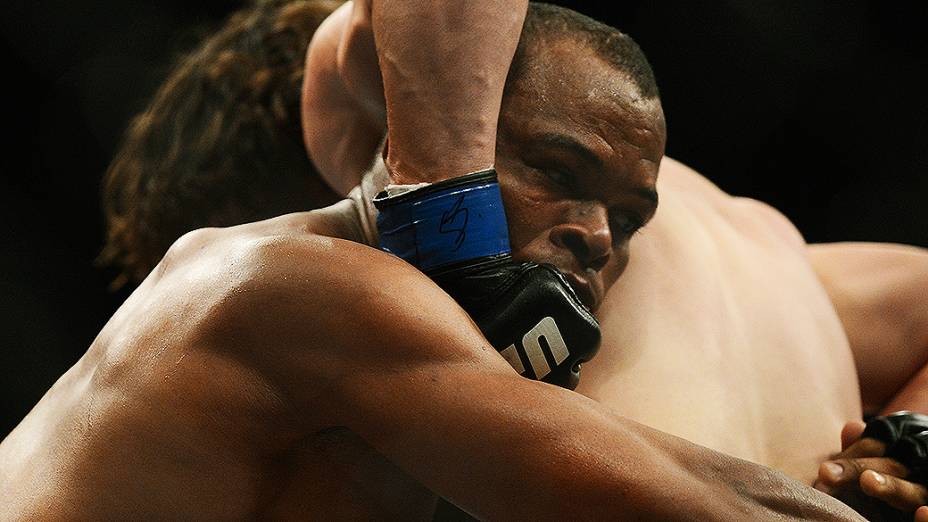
(816, 107)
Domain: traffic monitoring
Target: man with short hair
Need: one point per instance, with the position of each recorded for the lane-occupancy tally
(285, 368)
(727, 329)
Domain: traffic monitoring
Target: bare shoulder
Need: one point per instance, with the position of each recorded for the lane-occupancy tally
(676, 175)
(880, 292)
(193, 348)
(863, 254)
(882, 277)
(309, 310)
(757, 221)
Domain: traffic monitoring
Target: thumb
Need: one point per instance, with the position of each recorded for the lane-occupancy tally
(851, 432)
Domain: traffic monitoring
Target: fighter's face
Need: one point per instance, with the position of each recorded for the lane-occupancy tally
(577, 154)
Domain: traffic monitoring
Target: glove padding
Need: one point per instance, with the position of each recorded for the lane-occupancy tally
(530, 314)
(906, 437)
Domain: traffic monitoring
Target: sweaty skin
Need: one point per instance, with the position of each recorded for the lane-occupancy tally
(273, 370)
(282, 369)
(728, 330)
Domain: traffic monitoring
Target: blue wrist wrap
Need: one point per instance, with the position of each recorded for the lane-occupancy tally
(445, 223)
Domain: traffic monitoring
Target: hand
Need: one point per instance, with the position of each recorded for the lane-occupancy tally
(872, 484)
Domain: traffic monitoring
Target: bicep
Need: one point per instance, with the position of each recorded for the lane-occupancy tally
(880, 292)
(323, 312)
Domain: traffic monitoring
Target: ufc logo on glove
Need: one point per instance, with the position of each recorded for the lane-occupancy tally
(532, 349)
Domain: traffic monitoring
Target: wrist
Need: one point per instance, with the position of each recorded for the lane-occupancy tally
(411, 167)
(433, 226)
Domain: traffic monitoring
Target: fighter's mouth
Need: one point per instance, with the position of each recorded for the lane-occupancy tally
(584, 290)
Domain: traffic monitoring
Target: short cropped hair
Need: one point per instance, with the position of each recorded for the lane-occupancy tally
(221, 142)
(546, 23)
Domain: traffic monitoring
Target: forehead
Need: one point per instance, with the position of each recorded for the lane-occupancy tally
(565, 86)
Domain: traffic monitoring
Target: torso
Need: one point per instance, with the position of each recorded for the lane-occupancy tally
(719, 332)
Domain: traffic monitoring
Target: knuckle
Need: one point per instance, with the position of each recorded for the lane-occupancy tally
(852, 467)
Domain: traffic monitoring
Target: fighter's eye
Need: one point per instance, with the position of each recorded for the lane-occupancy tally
(560, 177)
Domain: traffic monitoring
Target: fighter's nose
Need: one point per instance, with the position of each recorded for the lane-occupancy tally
(587, 237)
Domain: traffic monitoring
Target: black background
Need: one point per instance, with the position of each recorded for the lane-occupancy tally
(817, 107)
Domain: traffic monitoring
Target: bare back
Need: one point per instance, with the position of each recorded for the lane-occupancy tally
(720, 332)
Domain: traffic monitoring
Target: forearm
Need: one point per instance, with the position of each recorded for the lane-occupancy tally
(556, 455)
(444, 65)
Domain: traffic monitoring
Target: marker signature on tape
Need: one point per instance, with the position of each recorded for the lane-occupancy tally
(449, 222)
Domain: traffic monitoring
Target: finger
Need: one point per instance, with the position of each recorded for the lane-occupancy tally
(841, 472)
(866, 447)
(921, 515)
(851, 432)
(898, 493)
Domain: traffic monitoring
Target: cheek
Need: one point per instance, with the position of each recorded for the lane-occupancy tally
(616, 266)
(531, 209)
(538, 250)
(529, 216)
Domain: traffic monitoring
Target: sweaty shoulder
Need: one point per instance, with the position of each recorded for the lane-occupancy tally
(308, 309)
(679, 177)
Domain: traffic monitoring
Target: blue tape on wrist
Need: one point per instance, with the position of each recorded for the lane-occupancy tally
(445, 226)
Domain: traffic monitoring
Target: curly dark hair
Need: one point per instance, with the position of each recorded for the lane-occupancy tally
(221, 142)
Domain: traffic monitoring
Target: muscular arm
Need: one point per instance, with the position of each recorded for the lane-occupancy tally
(438, 87)
(358, 339)
(444, 64)
(343, 112)
(880, 292)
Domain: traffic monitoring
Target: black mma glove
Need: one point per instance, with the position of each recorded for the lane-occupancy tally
(906, 437)
(455, 231)
(912, 452)
(530, 314)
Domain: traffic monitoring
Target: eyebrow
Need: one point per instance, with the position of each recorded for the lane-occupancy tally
(566, 142)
